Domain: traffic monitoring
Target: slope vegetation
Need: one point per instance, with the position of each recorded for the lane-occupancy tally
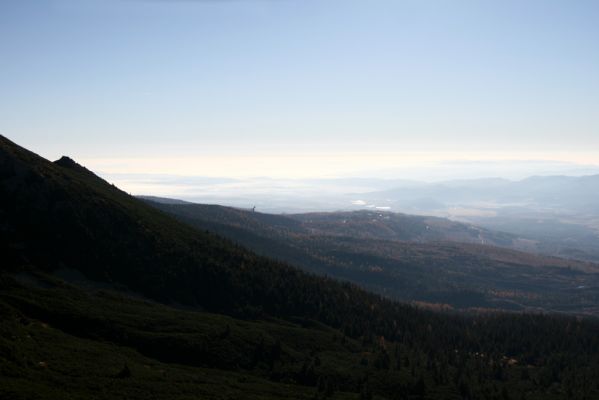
(103, 296)
(409, 258)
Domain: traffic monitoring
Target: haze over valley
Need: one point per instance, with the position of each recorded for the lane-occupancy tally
(550, 214)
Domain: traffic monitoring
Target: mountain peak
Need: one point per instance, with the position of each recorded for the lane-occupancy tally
(68, 162)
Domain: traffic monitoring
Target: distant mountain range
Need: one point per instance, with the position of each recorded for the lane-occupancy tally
(104, 296)
(560, 193)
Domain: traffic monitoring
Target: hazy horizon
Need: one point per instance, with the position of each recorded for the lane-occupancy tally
(302, 89)
(164, 184)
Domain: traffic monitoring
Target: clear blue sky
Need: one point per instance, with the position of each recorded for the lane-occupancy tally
(112, 81)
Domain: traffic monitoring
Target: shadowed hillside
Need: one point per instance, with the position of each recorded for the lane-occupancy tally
(410, 258)
(103, 296)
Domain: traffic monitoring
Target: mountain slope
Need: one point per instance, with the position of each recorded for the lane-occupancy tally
(65, 217)
(359, 224)
(159, 309)
(364, 248)
(394, 226)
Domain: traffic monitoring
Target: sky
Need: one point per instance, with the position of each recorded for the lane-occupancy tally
(300, 88)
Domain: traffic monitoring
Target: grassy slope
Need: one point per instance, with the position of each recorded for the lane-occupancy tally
(61, 342)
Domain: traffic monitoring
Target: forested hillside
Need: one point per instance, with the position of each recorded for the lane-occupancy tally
(103, 296)
(403, 257)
